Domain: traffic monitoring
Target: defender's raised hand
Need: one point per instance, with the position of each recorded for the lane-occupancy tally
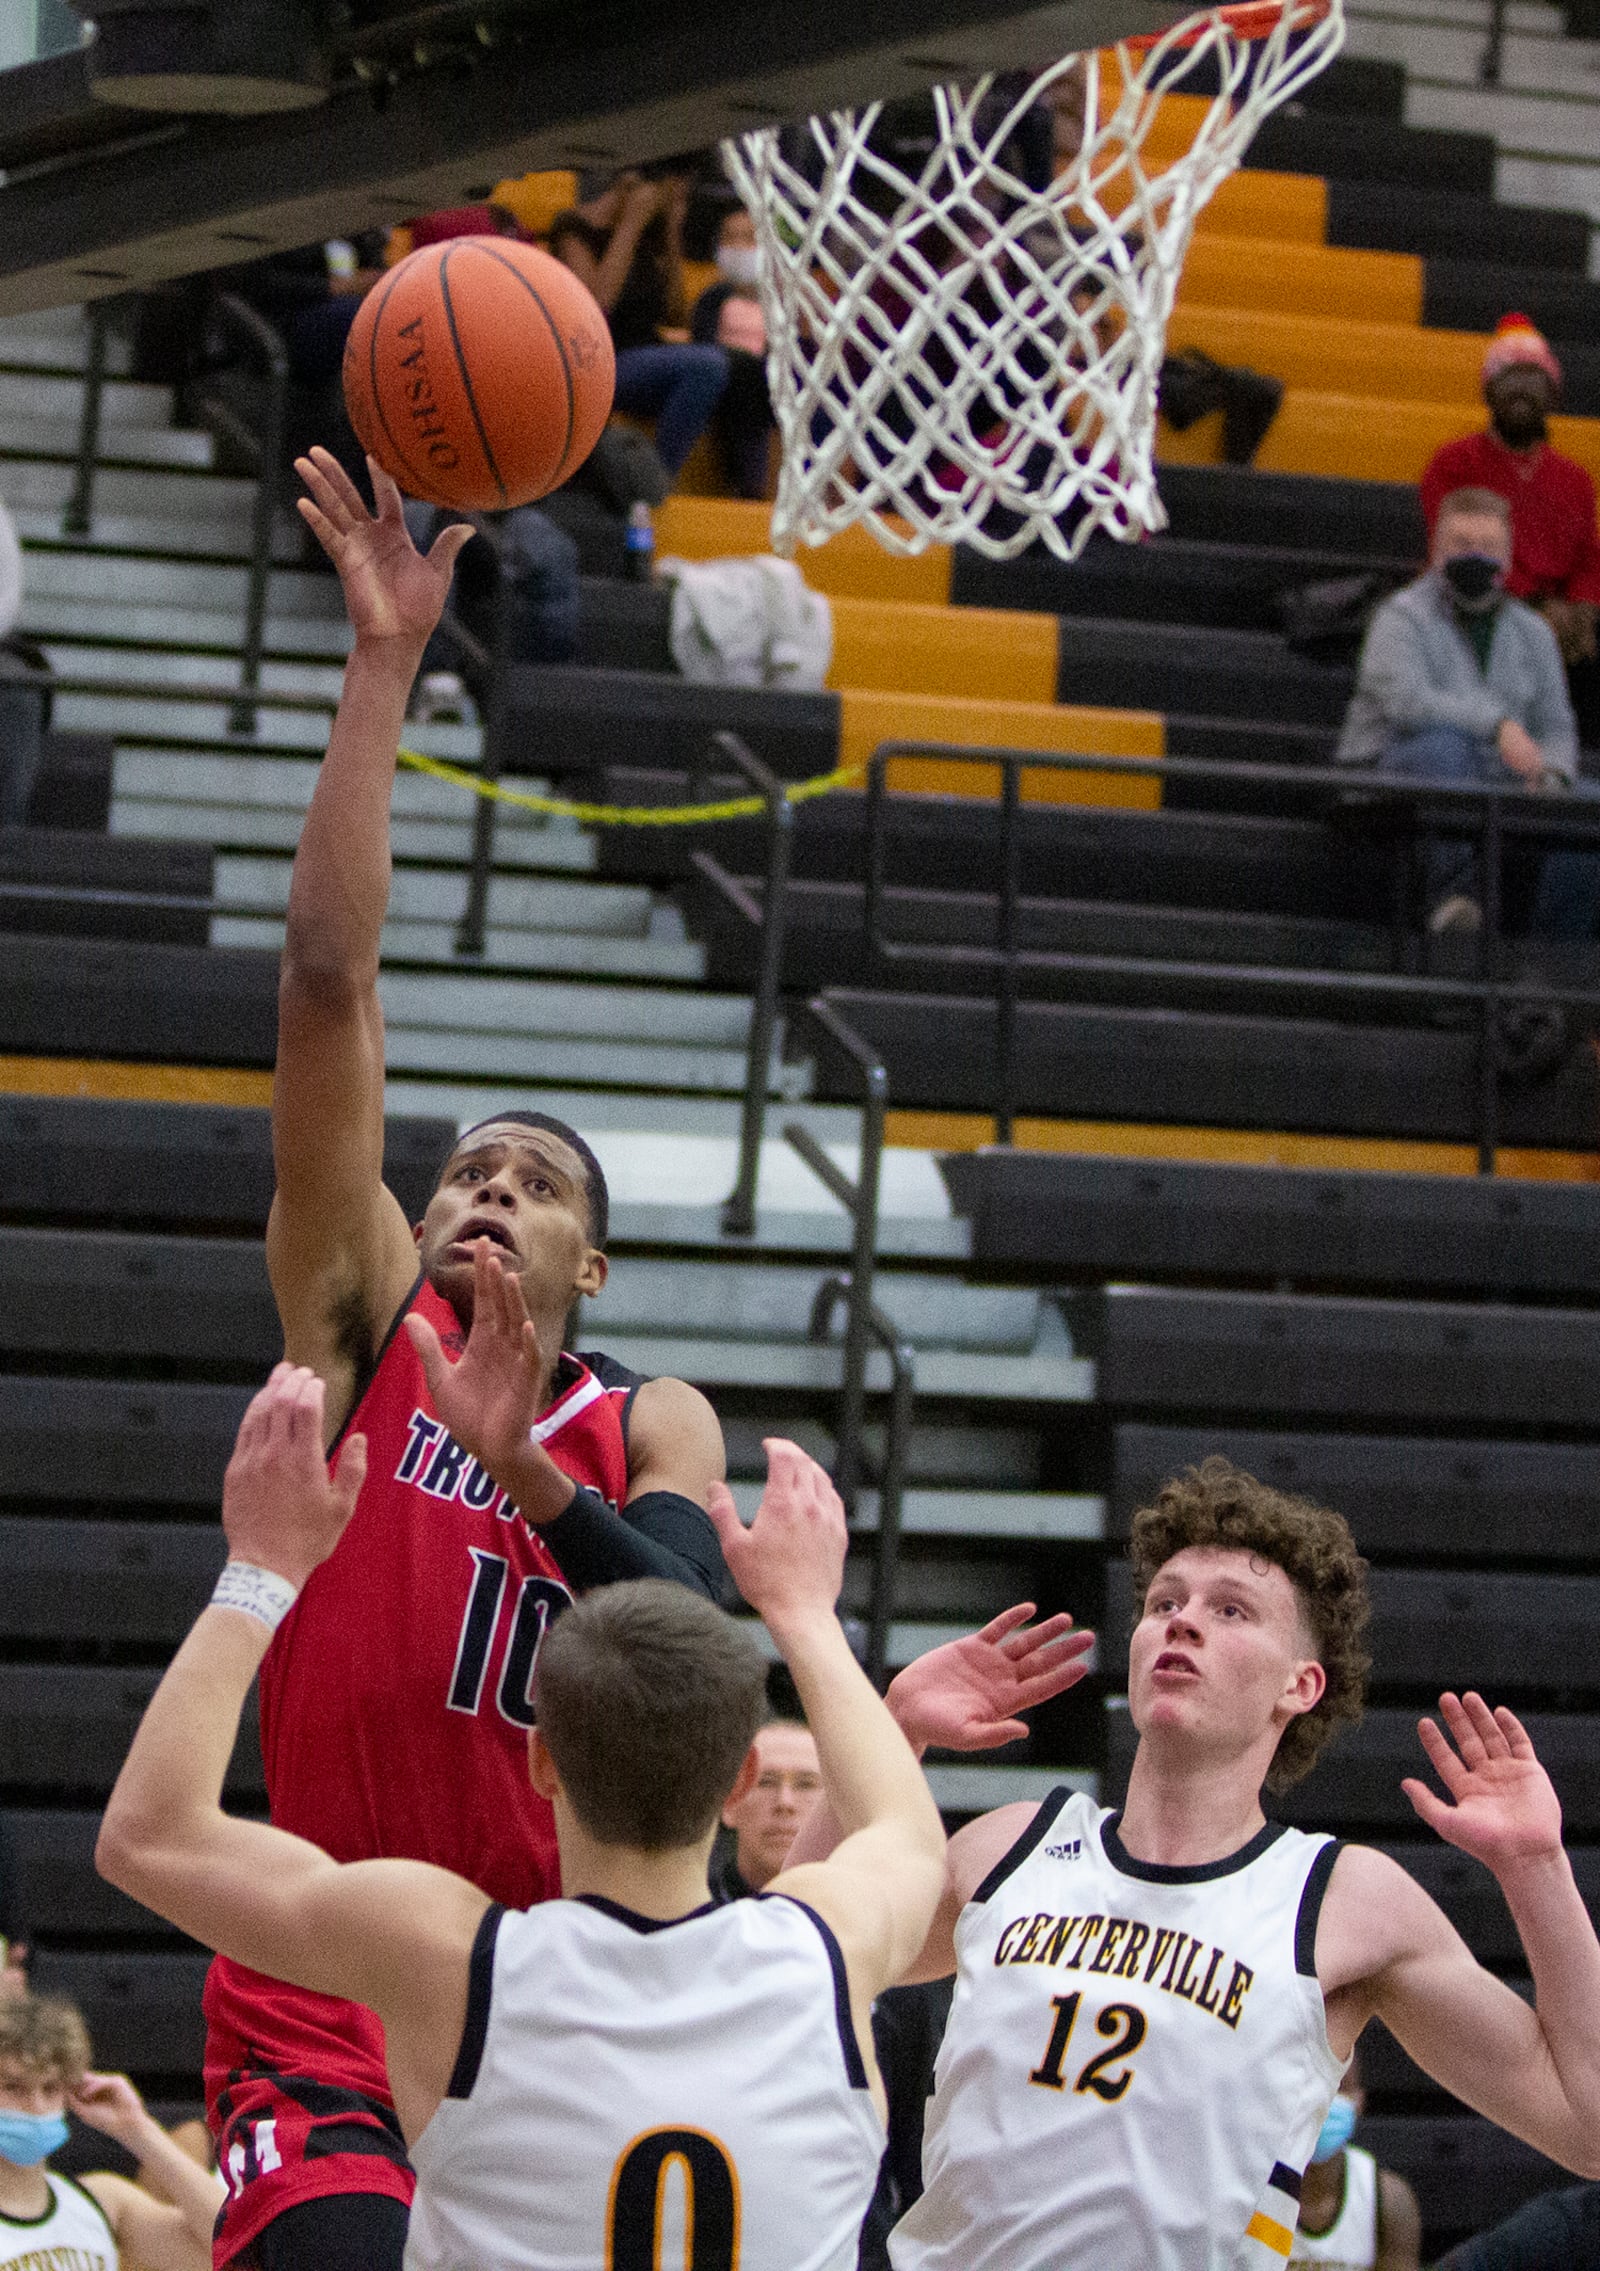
(967, 1695)
(489, 1400)
(1502, 1808)
(281, 1508)
(391, 590)
(789, 1564)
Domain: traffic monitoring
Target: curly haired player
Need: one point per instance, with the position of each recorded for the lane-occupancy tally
(1154, 2007)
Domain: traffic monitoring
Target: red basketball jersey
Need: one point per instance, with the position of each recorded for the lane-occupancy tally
(395, 1698)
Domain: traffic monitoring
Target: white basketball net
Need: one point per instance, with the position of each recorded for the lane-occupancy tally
(953, 355)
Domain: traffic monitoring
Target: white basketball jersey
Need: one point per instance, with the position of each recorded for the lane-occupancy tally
(1350, 2242)
(635, 2095)
(1137, 2062)
(72, 2234)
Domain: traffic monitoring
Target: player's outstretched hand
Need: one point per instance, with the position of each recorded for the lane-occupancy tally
(490, 1399)
(1501, 1807)
(109, 2103)
(281, 1508)
(967, 1695)
(789, 1564)
(391, 590)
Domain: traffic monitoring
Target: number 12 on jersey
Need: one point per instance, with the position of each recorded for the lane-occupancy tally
(1124, 2025)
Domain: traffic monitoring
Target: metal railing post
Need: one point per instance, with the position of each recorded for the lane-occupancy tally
(1489, 975)
(1493, 56)
(78, 515)
(739, 1208)
(1006, 1005)
(250, 326)
(473, 929)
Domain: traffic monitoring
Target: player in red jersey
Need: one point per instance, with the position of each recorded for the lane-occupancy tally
(502, 1475)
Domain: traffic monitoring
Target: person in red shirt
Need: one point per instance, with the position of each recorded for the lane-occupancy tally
(1555, 543)
(502, 1475)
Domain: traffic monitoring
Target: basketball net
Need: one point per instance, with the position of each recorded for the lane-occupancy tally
(955, 356)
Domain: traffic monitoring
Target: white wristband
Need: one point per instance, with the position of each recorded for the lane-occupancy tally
(260, 1593)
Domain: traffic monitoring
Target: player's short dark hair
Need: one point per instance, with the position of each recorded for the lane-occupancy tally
(648, 1699)
(594, 1175)
(1218, 1504)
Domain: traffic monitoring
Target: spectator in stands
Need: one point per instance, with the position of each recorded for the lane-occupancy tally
(1354, 2214)
(728, 315)
(1460, 682)
(1555, 545)
(766, 1820)
(1559, 2231)
(44, 2075)
(539, 564)
(625, 241)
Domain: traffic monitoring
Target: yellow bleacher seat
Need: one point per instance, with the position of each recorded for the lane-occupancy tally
(1390, 360)
(852, 565)
(1361, 437)
(1282, 208)
(536, 198)
(989, 652)
(868, 718)
(1302, 279)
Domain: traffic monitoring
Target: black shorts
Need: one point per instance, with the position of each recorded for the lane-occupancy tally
(343, 2231)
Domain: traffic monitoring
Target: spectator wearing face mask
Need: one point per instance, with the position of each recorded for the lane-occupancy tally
(1555, 545)
(1354, 2216)
(728, 315)
(1458, 681)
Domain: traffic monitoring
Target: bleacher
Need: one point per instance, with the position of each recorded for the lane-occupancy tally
(1240, 1213)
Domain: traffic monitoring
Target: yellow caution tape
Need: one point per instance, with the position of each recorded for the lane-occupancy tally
(627, 815)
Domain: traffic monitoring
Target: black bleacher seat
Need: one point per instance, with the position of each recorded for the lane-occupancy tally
(1472, 295)
(69, 882)
(1458, 1498)
(1425, 219)
(1482, 1364)
(72, 788)
(1473, 1901)
(1161, 666)
(57, 1886)
(116, 1442)
(1342, 148)
(1170, 579)
(625, 625)
(1466, 2173)
(1434, 1629)
(91, 1159)
(571, 719)
(90, 998)
(1071, 1215)
(1355, 1788)
(1236, 504)
(1162, 1067)
(142, 2010)
(137, 1584)
(111, 1295)
(65, 1730)
(1358, 84)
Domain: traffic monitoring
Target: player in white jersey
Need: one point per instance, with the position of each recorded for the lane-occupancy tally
(1153, 2007)
(627, 2075)
(50, 2222)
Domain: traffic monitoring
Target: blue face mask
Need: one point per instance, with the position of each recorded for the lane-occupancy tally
(1337, 2130)
(26, 2139)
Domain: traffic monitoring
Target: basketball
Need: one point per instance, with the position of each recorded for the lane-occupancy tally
(479, 373)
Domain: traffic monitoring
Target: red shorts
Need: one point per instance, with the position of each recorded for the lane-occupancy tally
(297, 2099)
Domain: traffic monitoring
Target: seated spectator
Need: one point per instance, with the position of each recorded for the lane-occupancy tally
(728, 315)
(539, 563)
(1353, 2214)
(766, 1820)
(626, 243)
(44, 2074)
(1460, 682)
(1555, 547)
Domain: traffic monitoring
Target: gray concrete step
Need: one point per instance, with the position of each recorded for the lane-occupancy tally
(24, 435)
(183, 536)
(117, 580)
(55, 339)
(33, 393)
(1058, 1517)
(772, 1302)
(547, 954)
(44, 485)
(158, 670)
(124, 626)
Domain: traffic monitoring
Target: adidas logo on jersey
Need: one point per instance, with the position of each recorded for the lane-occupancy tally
(1068, 1850)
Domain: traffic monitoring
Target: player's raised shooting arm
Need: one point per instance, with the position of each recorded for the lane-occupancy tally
(338, 1246)
(1384, 1949)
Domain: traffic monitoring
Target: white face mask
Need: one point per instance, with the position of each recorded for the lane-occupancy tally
(736, 264)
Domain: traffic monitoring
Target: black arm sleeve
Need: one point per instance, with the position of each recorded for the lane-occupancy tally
(659, 1534)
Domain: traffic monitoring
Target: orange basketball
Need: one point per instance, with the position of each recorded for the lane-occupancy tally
(479, 373)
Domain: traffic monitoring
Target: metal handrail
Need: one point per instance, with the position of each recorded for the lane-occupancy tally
(1494, 48)
(739, 1208)
(251, 328)
(891, 1485)
(1488, 812)
(78, 516)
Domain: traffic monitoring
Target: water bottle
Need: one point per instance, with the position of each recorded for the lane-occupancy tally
(641, 543)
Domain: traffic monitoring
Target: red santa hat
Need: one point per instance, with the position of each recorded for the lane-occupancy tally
(1517, 341)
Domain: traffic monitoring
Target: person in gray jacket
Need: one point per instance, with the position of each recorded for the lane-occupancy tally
(1460, 682)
